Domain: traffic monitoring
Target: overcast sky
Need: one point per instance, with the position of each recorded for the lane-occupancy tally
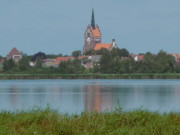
(58, 26)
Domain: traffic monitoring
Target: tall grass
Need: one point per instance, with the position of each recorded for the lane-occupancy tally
(47, 122)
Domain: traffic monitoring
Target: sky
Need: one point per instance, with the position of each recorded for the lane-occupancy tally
(58, 26)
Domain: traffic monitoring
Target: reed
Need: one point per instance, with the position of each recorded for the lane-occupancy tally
(41, 122)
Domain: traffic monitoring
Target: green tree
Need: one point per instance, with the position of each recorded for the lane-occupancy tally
(90, 52)
(124, 52)
(106, 63)
(24, 63)
(164, 63)
(71, 67)
(8, 65)
(119, 52)
(76, 53)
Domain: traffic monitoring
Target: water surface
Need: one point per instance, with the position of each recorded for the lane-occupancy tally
(75, 96)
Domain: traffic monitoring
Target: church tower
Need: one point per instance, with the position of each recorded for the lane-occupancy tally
(92, 35)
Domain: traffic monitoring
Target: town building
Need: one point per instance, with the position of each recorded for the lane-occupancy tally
(58, 60)
(90, 61)
(62, 59)
(49, 63)
(15, 55)
(137, 57)
(92, 38)
(176, 57)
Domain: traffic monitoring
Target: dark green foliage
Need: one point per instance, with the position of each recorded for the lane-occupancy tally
(24, 63)
(39, 56)
(8, 65)
(76, 53)
(164, 63)
(53, 56)
(118, 61)
(71, 67)
(106, 63)
(119, 52)
(90, 52)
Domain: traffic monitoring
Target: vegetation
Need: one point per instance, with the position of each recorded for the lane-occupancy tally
(117, 61)
(38, 121)
(76, 53)
(89, 76)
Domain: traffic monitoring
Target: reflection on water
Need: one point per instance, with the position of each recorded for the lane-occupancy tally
(75, 96)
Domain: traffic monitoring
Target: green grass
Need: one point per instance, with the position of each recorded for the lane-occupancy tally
(91, 76)
(47, 122)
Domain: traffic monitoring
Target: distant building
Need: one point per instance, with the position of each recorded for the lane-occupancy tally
(49, 63)
(107, 46)
(62, 59)
(176, 57)
(92, 38)
(15, 55)
(137, 57)
(89, 63)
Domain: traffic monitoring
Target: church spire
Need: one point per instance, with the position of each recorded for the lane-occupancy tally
(93, 20)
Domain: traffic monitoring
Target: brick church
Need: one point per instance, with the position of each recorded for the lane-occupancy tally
(93, 38)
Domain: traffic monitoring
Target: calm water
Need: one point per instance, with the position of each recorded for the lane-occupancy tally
(74, 96)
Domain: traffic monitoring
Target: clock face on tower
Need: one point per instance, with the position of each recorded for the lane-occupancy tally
(88, 40)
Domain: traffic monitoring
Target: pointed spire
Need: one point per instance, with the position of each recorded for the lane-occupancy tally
(93, 20)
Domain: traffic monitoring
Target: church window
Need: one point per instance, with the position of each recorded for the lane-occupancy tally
(88, 34)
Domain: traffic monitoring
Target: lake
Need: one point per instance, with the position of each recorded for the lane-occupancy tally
(75, 96)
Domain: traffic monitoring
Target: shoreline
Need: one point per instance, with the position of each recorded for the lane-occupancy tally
(90, 76)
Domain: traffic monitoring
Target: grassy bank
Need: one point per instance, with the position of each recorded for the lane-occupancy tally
(48, 122)
(90, 76)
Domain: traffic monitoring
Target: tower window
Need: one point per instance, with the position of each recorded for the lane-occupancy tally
(88, 34)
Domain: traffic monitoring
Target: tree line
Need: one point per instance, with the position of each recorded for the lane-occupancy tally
(116, 61)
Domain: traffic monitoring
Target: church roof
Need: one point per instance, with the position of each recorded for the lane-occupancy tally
(96, 32)
(14, 51)
(102, 45)
(93, 20)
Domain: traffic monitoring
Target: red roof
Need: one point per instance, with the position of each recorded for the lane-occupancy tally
(134, 55)
(14, 51)
(102, 45)
(60, 59)
(140, 57)
(96, 32)
(175, 55)
(82, 57)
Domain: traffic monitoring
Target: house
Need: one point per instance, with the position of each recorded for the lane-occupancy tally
(89, 63)
(137, 57)
(95, 58)
(176, 56)
(82, 57)
(92, 38)
(62, 59)
(15, 55)
(49, 63)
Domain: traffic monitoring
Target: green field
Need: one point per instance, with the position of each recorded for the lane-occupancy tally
(91, 76)
(48, 122)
